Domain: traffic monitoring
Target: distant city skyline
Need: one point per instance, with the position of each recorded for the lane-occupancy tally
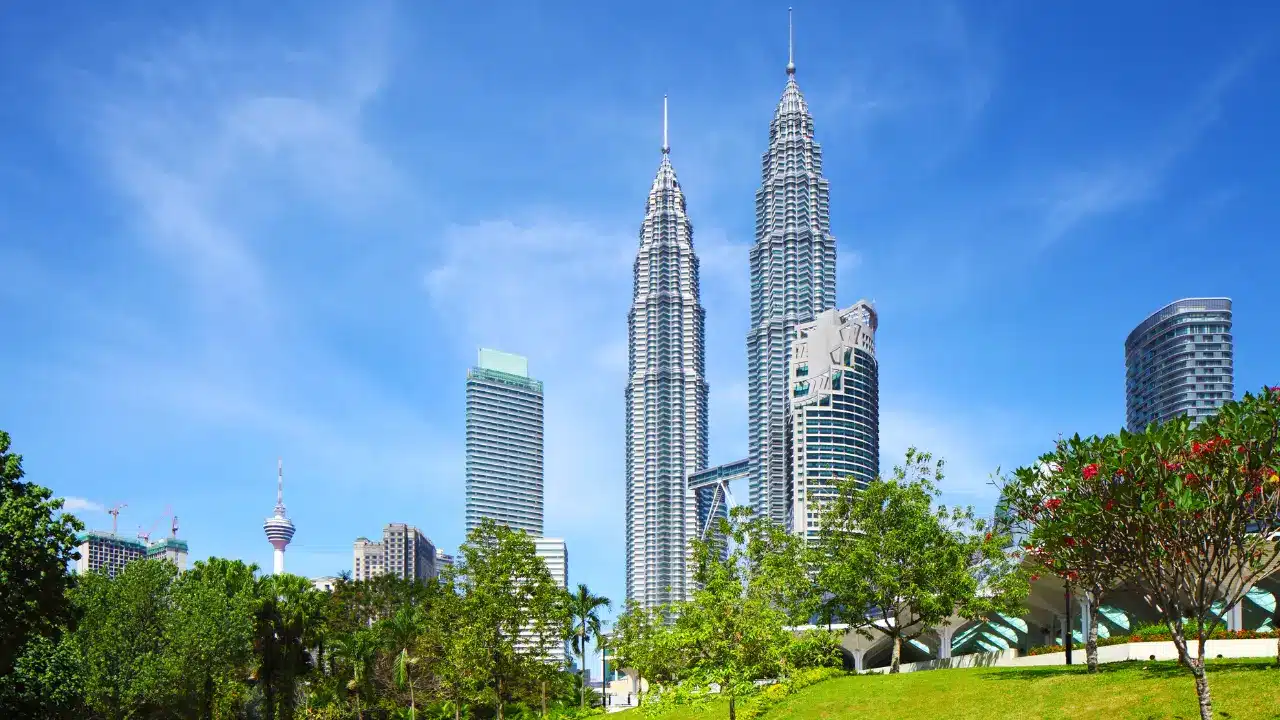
(285, 242)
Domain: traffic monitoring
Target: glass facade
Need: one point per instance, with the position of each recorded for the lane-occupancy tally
(793, 277)
(835, 413)
(666, 399)
(504, 444)
(1179, 361)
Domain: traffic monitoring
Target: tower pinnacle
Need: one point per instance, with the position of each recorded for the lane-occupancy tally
(791, 46)
(666, 149)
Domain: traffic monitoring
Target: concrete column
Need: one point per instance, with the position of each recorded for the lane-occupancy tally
(1084, 618)
(857, 659)
(1060, 629)
(1235, 615)
(945, 634)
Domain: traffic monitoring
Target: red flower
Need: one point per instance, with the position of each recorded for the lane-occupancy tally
(988, 538)
(1190, 476)
(1070, 541)
(1034, 577)
(1197, 448)
(1275, 389)
(1053, 503)
(1241, 449)
(1109, 505)
(1090, 471)
(1171, 466)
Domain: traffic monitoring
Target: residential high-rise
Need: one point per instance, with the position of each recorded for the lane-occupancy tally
(793, 277)
(404, 552)
(443, 560)
(1179, 362)
(835, 410)
(278, 527)
(108, 553)
(504, 443)
(666, 396)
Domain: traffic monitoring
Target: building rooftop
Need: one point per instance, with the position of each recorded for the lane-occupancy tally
(508, 363)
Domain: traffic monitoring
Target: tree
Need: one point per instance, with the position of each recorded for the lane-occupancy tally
(357, 652)
(125, 640)
(641, 643)
(732, 630)
(211, 630)
(507, 595)
(285, 625)
(582, 608)
(1051, 542)
(1189, 516)
(401, 632)
(889, 559)
(37, 544)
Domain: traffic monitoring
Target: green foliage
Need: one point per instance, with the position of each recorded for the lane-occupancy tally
(36, 544)
(813, 649)
(583, 609)
(886, 552)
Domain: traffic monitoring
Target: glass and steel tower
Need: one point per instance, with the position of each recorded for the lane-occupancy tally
(1179, 362)
(666, 396)
(835, 410)
(504, 443)
(793, 278)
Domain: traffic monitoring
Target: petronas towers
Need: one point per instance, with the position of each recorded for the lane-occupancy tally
(793, 278)
(666, 396)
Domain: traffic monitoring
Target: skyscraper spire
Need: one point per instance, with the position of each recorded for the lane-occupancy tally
(791, 46)
(665, 147)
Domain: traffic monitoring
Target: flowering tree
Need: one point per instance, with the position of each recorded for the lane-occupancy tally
(1189, 516)
(1059, 541)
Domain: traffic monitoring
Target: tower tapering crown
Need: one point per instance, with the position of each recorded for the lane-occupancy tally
(666, 148)
(791, 46)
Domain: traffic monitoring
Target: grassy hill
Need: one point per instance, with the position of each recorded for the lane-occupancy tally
(1242, 689)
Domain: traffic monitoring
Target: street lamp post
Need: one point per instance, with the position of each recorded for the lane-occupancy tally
(1066, 639)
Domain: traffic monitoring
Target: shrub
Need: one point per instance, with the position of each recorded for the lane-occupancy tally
(813, 649)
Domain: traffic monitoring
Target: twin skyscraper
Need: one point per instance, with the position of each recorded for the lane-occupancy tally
(813, 391)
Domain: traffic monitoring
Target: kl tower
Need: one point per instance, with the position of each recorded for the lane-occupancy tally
(278, 527)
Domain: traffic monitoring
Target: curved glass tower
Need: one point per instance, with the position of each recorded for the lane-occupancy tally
(835, 410)
(793, 278)
(1179, 362)
(666, 397)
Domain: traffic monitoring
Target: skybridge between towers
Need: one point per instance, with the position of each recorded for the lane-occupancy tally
(711, 491)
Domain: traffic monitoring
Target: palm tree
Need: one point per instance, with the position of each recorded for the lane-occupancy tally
(401, 631)
(357, 650)
(583, 606)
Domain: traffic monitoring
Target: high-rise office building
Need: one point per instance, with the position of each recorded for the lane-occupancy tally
(404, 552)
(793, 277)
(666, 396)
(555, 553)
(504, 443)
(835, 410)
(1179, 362)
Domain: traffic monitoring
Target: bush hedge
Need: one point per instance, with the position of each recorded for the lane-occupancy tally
(1156, 633)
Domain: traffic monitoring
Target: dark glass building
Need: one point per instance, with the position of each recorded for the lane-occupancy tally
(1179, 362)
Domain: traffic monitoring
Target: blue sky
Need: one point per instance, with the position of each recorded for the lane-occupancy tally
(235, 233)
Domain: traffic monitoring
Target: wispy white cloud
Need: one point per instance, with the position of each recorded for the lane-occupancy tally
(1079, 195)
(81, 506)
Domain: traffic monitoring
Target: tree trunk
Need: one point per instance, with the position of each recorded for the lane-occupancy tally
(269, 699)
(359, 714)
(1091, 640)
(206, 711)
(544, 698)
(1196, 666)
(582, 664)
(457, 709)
(896, 660)
(732, 713)
(499, 708)
(413, 713)
(639, 690)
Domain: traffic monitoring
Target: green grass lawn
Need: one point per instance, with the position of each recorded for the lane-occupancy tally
(1241, 689)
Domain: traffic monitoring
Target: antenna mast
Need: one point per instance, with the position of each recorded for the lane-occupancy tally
(666, 148)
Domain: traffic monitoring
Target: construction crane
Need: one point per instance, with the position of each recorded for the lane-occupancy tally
(114, 512)
(173, 528)
(168, 513)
